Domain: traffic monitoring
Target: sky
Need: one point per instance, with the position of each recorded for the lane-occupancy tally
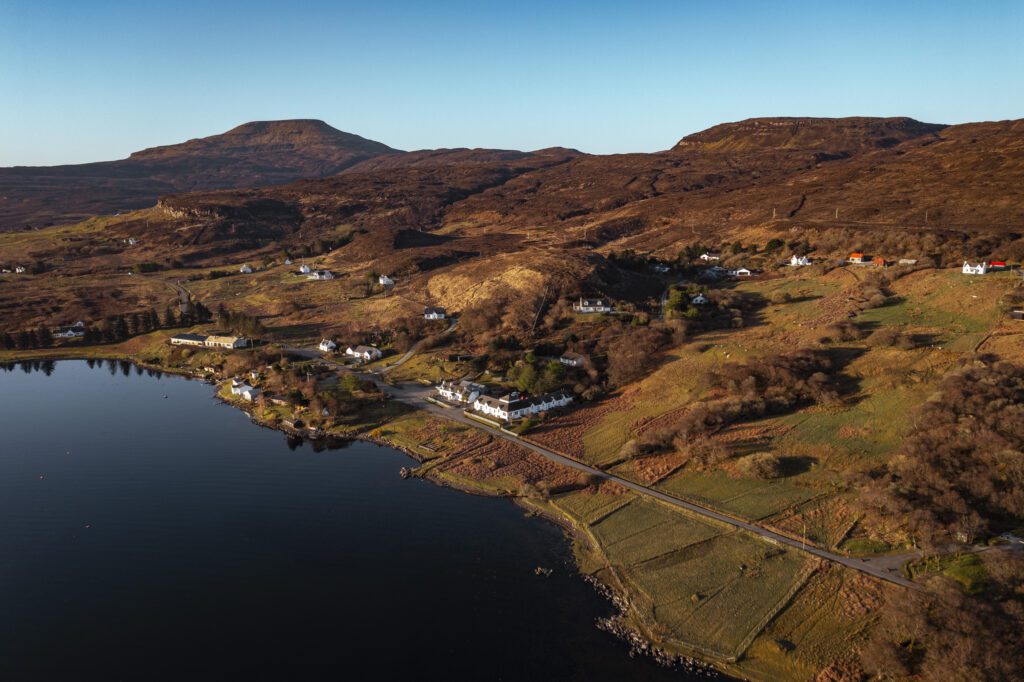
(89, 81)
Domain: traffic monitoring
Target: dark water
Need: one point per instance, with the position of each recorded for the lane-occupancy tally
(149, 537)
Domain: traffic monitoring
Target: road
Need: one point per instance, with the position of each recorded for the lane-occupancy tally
(883, 568)
(416, 396)
(417, 346)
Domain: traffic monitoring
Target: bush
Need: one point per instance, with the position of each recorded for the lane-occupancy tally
(761, 465)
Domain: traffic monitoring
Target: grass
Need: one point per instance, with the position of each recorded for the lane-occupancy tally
(750, 498)
(967, 569)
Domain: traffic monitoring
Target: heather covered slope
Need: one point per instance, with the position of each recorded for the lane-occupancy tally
(255, 154)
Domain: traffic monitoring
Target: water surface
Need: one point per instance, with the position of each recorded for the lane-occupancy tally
(149, 532)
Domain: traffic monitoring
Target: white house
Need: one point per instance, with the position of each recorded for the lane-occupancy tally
(975, 268)
(20, 269)
(365, 353)
(385, 281)
(592, 305)
(434, 313)
(798, 261)
(320, 275)
(699, 299)
(740, 272)
(571, 359)
(245, 269)
(287, 261)
(908, 261)
(238, 385)
(515, 406)
(305, 269)
(328, 346)
(463, 391)
(709, 257)
(74, 331)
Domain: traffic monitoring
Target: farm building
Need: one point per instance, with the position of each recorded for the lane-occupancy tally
(434, 313)
(740, 272)
(975, 268)
(710, 257)
(385, 281)
(327, 346)
(857, 257)
(592, 305)
(320, 275)
(230, 342)
(305, 269)
(908, 261)
(798, 261)
(516, 406)
(245, 269)
(1017, 314)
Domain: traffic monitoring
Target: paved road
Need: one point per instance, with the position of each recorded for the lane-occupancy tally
(416, 396)
(417, 346)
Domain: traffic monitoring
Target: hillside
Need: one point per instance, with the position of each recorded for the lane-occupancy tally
(255, 154)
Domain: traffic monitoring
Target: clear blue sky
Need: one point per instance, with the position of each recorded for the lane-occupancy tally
(83, 81)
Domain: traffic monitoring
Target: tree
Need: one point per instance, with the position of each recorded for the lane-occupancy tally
(43, 337)
(170, 320)
(527, 378)
(6, 341)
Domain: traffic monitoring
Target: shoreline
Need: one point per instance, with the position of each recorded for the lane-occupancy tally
(616, 624)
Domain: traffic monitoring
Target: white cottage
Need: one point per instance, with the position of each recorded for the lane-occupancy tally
(365, 353)
(385, 281)
(305, 269)
(975, 268)
(592, 305)
(320, 275)
(245, 269)
(328, 346)
(463, 391)
(799, 261)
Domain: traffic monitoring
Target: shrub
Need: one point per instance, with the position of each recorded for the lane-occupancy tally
(761, 465)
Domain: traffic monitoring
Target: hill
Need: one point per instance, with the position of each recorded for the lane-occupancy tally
(255, 154)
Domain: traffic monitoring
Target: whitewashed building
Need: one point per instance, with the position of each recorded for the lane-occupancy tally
(320, 275)
(365, 353)
(434, 313)
(328, 346)
(710, 257)
(515, 406)
(385, 281)
(592, 305)
(799, 261)
(305, 269)
(188, 340)
(740, 272)
(975, 268)
(245, 269)
(463, 391)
